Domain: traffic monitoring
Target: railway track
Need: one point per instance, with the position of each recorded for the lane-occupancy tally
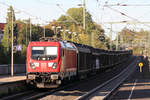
(83, 85)
(39, 93)
(76, 91)
(106, 90)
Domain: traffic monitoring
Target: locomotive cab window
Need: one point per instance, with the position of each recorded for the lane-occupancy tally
(51, 51)
(37, 51)
(44, 53)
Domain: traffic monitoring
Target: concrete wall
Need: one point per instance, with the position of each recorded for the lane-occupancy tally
(18, 69)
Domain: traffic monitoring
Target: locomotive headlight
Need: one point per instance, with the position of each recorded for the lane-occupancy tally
(32, 65)
(36, 64)
(50, 64)
(54, 66)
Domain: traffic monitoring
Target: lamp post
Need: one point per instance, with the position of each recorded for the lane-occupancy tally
(117, 41)
(12, 46)
(26, 33)
(30, 30)
(44, 31)
(110, 36)
(84, 13)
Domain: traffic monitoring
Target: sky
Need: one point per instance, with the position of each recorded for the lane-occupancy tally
(44, 11)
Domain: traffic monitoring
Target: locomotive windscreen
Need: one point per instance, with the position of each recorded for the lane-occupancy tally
(44, 53)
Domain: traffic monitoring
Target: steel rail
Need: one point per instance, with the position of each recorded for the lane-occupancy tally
(85, 96)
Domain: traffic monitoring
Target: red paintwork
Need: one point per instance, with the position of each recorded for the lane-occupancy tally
(41, 68)
(70, 59)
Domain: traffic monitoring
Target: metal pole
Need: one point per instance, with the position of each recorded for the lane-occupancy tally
(12, 58)
(148, 49)
(30, 30)
(77, 38)
(56, 33)
(26, 33)
(64, 35)
(111, 37)
(84, 14)
(8, 41)
(72, 37)
(92, 39)
(44, 31)
(117, 41)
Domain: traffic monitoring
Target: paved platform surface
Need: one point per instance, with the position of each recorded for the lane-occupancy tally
(137, 87)
(9, 79)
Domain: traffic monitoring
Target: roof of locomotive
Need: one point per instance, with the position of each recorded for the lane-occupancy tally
(43, 43)
(52, 42)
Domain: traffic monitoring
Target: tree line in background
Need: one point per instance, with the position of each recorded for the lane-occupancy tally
(138, 41)
(72, 30)
(66, 27)
(69, 30)
(21, 35)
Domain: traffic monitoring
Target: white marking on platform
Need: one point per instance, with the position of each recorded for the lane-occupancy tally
(132, 90)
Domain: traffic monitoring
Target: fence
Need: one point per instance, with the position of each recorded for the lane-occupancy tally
(18, 69)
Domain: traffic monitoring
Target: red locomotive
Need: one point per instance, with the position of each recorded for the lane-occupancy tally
(48, 63)
(51, 62)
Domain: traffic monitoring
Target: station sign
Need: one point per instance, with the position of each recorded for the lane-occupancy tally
(19, 47)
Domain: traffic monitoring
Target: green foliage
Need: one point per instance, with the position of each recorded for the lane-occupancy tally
(8, 30)
(37, 32)
(88, 36)
(78, 34)
(135, 40)
(21, 32)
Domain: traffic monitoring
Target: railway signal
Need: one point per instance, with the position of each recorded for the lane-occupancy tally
(102, 38)
(140, 65)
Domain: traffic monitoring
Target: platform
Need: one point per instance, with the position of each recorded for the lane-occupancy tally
(9, 79)
(137, 87)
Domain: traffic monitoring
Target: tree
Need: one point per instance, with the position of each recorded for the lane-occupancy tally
(82, 36)
(6, 41)
(135, 40)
